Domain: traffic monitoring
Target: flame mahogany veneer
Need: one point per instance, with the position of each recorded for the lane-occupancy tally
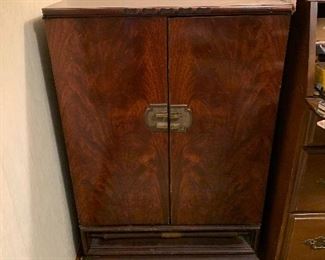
(140, 192)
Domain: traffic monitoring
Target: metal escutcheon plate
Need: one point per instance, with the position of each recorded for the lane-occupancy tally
(177, 119)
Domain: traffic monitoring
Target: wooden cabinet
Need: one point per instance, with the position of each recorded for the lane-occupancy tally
(168, 117)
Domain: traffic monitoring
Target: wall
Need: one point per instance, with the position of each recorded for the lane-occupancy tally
(36, 220)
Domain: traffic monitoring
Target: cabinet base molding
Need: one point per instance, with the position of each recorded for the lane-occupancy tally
(221, 257)
(170, 241)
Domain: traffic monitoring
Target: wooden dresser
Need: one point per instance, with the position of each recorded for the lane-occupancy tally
(294, 228)
(168, 112)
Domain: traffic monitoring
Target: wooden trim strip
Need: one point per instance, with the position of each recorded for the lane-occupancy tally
(169, 12)
(169, 228)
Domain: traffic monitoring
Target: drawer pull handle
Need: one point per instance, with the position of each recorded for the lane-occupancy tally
(316, 243)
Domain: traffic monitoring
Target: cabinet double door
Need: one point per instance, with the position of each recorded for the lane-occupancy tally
(225, 71)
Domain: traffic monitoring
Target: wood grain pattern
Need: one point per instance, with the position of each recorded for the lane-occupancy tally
(231, 81)
(166, 8)
(107, 72)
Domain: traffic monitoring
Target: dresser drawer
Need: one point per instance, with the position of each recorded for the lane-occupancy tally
(304, 237)
(310, 189)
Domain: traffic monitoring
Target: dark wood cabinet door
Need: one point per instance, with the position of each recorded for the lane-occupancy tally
(228, 70)
(107, 72)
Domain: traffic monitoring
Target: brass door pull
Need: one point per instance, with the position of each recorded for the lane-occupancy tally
(164, 126)
(178, 119)
(172, 116)
(161, 115)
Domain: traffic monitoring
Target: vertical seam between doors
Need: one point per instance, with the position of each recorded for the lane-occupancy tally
(169, 133)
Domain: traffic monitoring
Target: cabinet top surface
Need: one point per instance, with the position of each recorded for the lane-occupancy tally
(166, 7)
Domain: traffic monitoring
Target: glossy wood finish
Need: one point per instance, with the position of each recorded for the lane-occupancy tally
(167, 8)
(310, 187)
(231, 81)
(142, 193)
(107, 71)
(301, 228)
